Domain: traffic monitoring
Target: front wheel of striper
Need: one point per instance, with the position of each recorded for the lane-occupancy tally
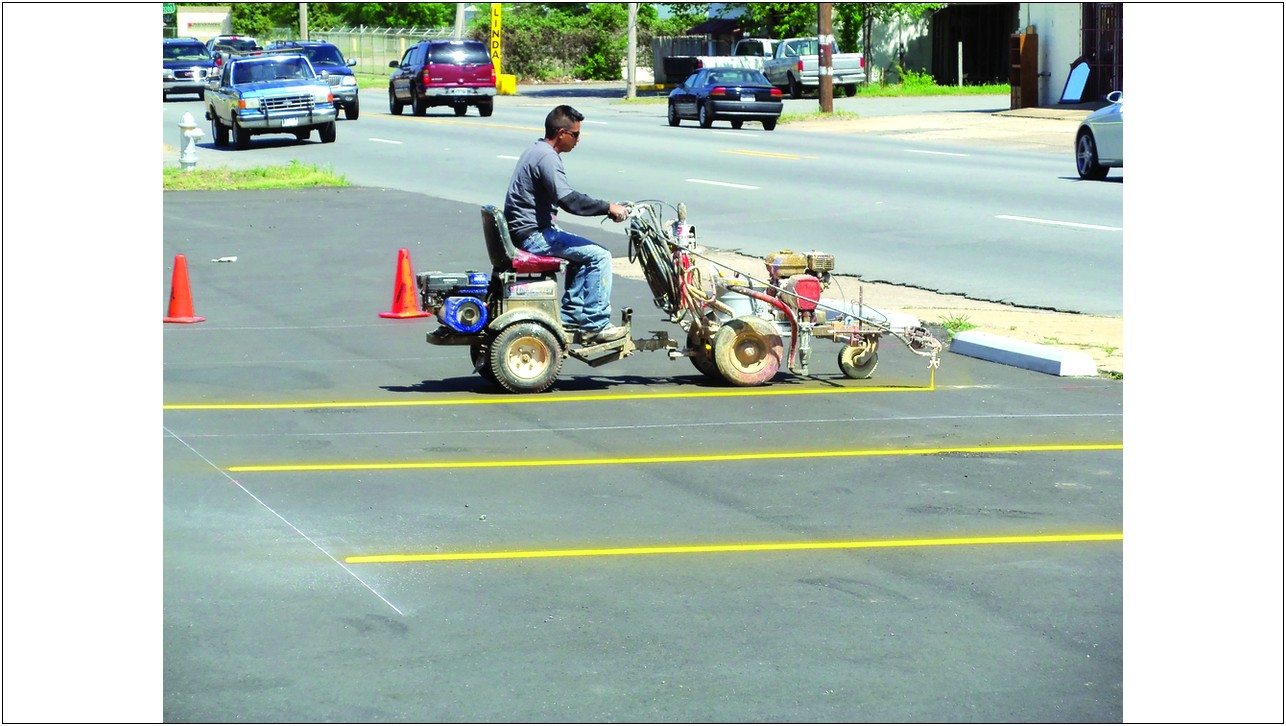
(859, 361)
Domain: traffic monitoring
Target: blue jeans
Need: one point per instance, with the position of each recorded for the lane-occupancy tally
(587, 293)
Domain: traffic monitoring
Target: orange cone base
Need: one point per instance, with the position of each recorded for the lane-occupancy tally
(193, 319)
(407, 314)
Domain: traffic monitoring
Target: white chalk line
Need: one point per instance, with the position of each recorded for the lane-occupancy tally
(286, 521)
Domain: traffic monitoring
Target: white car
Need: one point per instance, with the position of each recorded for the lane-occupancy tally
(1098, 140)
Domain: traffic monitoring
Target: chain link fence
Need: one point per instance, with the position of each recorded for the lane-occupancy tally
(373, 48)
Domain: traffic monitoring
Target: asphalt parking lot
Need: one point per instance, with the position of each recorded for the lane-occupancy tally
(358, 528)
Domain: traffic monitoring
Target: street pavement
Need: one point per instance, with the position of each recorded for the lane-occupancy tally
(638, 544)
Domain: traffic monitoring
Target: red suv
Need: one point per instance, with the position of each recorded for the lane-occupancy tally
(455, 73)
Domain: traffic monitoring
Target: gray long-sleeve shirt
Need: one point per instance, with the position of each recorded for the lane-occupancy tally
(539, 185)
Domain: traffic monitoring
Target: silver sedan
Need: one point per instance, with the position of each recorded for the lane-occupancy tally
(1098, 140)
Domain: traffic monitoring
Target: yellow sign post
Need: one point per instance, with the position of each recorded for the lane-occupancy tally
(505, 84)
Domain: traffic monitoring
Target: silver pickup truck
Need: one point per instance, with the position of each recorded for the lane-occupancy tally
(269, 93)
(793, 67)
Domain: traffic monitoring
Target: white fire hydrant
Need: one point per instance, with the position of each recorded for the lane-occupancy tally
(189, 134)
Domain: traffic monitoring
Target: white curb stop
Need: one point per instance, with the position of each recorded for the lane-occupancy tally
(1021, 354)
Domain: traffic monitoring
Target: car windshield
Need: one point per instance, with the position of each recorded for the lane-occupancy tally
(186, 51)
(736, 77)
(236, 44)
(271, 70)
(475, 53)
(325, 55)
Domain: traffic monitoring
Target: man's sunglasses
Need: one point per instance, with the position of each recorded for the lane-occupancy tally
(574, 134)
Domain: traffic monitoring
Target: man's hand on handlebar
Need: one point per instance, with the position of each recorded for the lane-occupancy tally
(618, 212)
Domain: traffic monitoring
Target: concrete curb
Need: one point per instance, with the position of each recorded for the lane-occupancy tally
(1022, 354)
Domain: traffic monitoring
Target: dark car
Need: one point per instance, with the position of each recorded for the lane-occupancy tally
(187, 66)
(329, 63)
(725, 94)
(455, 73)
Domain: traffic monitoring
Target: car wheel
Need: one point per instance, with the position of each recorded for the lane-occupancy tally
(796, 90)
(240, 137)
(220, 131)
(1087, 157)
(672, 114)
(485, 108)
(736, 124)
(201, 94)
(460, 110)
(303, 135)
(770, 124)
(526, 358)
(394, 105)
(705, 116)
(351, 111)
(419, 106)
(850, 89)
(327, 133)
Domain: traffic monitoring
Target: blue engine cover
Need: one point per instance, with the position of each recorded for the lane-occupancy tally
(464, 314)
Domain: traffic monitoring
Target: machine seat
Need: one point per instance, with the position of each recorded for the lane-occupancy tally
(504, 256)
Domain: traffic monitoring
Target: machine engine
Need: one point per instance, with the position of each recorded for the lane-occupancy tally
(457, 298)
(801, 277)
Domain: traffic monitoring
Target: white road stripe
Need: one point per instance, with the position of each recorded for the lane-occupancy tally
(384, 141)
(721, 184)
(939, 153)
(1056, 222)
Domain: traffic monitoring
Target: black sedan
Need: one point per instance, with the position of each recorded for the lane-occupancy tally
(725, 94)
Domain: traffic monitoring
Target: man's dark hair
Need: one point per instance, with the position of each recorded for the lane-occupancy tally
(561, 117)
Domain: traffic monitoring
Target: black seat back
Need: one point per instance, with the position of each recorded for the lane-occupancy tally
(496, 232)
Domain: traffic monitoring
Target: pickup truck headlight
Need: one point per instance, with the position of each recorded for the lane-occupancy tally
(323, 95)
(348, 81)
(249, 103)
(167, 74)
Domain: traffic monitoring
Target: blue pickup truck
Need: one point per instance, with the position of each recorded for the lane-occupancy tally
(269, 93)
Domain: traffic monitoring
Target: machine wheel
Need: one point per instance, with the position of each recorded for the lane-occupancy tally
(479, 355)
(485, 108)
(1087, 158)
(796, 90)
(672, 114)
(526, 358)
(705, 116)
(770, 124)
(747, 351)
(327, 133)
(394, 105)
(351, 110)
(240, 137)
(859, 361)
(220, 131)
(702, 356)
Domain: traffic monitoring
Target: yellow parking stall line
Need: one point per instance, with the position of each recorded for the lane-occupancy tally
(717, 548)
(769, 154)
(543, 398)
(737, 456)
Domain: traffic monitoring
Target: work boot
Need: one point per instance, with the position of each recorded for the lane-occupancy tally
(606, 335)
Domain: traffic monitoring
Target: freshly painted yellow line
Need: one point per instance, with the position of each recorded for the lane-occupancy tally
(794, 157)
(740, 456)
(764, 547)
(563, 398)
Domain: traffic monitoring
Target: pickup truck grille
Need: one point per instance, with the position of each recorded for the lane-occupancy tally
(190, 74)
(302, 102)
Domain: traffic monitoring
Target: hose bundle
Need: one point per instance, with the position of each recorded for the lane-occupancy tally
(649, 245)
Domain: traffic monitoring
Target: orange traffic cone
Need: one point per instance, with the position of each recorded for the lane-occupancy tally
(405, 303)
(181, 295)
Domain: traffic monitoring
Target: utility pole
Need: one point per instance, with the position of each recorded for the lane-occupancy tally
(631, 67)
(459, 21)
(303, 21)
(825, 79)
